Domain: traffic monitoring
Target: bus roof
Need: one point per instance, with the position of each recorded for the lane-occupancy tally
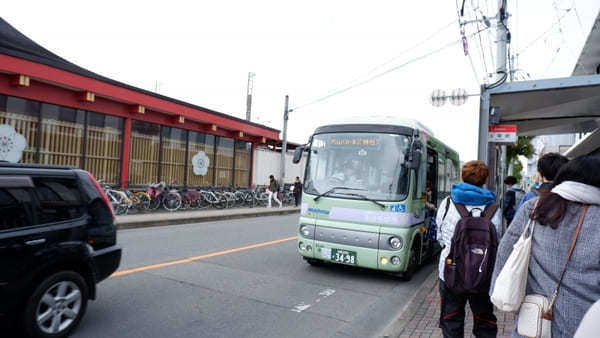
(385, 120)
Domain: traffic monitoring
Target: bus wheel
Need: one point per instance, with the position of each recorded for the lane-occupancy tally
(313, 262)
(412, 262)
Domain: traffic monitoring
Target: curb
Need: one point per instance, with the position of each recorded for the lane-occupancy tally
(198, 219)
(393, 330)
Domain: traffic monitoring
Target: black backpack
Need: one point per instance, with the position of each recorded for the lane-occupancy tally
(470, 263)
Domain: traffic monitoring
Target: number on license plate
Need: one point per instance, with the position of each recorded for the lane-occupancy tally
(343, 256)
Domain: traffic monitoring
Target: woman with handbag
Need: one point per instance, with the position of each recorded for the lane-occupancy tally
(564, 264)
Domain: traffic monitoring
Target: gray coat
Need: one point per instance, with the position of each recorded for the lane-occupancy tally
(581, 285)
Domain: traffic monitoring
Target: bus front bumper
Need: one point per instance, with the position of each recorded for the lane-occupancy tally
(392, 261)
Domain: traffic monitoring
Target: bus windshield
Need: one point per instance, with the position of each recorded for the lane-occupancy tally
(369, 164)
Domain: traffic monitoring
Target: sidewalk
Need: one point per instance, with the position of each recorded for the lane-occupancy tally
(421, 316)
(161, 218)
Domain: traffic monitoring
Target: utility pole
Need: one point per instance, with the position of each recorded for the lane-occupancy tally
(284, 143)
(249, 95)
(501, 71)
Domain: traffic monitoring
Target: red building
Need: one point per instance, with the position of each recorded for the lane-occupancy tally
(122, 134)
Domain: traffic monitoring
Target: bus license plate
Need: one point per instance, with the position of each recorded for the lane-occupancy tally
(343, 256)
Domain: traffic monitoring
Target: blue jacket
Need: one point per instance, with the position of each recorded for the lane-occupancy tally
(469, 194)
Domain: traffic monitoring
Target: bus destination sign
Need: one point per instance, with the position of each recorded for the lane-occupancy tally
(354, 141)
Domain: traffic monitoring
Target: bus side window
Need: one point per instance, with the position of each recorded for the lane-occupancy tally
(451, 174)
(441, 176)
(421, 177)
(415, 184)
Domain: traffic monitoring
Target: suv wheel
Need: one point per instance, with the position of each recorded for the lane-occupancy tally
(56, 306)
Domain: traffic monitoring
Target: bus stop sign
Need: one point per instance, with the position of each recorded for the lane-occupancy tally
(499, 133)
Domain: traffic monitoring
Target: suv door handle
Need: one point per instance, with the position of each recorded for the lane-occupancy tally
(36, 241)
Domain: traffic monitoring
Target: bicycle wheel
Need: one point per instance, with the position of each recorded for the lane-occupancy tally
(172, 201)
(121, 209)
(221, 201)
(263, 199)
(249, 200)
(154, 203)
(143, 200)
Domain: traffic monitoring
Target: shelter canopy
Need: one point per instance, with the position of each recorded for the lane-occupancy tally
(552, 106)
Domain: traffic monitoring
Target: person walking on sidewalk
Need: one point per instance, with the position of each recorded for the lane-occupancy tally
(547, 166)
(297, 191)
(557, 216)
(512, 196)
(470, 195)
(273, 190)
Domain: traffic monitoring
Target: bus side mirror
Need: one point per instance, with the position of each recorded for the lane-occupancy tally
(298, 154)
(414, 155)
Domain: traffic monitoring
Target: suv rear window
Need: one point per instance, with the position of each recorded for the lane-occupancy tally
(51, 200)
(59, 199)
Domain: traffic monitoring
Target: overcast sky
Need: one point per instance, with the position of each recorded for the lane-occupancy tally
(202, 51)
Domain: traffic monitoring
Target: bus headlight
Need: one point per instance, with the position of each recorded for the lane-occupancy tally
(395, 260)
(395, 243)
(306, 231)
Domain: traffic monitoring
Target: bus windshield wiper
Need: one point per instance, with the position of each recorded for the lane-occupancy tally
(332, 190)
(363, 197)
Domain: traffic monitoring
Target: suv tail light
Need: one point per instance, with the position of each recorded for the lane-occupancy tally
(102, 194)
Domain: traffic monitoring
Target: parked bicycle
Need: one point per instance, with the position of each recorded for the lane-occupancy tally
(162, 195)
(117, 198)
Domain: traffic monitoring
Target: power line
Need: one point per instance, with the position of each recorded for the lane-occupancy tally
(376, 68)
(374, 77)
(574, 6)
(551, 61)
(482, 53)
(552, 26)
(473, 68)
(481, 49)
(460, 13)
(560, 30)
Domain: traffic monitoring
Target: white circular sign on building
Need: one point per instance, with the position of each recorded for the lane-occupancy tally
(12, 144)
(200, 162)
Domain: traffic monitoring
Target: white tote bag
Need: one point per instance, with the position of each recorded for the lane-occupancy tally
(509, 289)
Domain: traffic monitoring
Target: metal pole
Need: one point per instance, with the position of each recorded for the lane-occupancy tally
(501, 40)
(284, 143)
(501, 70)
(484, 121)
(249, 95)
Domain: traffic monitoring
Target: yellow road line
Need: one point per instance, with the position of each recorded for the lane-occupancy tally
(195, 258)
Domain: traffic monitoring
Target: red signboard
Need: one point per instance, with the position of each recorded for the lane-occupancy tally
(502, 133)
(502, 128)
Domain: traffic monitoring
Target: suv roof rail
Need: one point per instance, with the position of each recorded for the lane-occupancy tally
(33, 165)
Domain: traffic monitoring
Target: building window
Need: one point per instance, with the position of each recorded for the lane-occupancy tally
(23, 116)
(61, 140)
(145, 147)
(201, 159)
(104, 146)
(224, 161)
(172, 164)
(242, 163)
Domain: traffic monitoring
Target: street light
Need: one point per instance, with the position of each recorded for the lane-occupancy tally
(458, 97)
(438, 98)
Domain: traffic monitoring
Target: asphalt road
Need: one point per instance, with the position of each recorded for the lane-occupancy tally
(254, 291)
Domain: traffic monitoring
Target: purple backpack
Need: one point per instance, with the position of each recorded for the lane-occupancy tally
(470, 263)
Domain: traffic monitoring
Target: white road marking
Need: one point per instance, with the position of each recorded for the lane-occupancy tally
(324, 294)
(301, 307)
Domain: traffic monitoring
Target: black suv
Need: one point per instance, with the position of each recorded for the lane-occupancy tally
(57, 241)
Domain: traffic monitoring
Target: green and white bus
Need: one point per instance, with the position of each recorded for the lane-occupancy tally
(365, 190)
